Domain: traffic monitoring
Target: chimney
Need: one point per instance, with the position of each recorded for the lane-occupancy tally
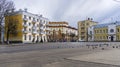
(13, 10)
(88, 18)
(91, 19)
(20, 9)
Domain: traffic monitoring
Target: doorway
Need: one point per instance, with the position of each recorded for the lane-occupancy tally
(112, 38)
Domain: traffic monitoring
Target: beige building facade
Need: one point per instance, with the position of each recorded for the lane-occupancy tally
(61, 31)
(83, 29)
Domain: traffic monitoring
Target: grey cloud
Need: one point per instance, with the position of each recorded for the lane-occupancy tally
(71, 10)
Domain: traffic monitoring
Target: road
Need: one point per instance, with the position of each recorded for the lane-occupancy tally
(49, 55)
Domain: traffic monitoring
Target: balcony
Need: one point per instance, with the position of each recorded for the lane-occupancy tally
(42, 33)
(25, 25)
(25, 31)
(48, 29)
(41, 24)
(48, 33)
(34, 32)
(34, 21)
(25, 19)
(34, 27)
(44, 24)
(41, 28)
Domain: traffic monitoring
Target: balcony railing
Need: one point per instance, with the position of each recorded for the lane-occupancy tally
(41, 24)
(34, 32)
(25, 19)
(34, 27)
(25, 25)
(25, 31)
(44, 24)
(34, 21)
(47, 28)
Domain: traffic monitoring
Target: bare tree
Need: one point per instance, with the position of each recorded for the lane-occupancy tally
(5, 6)
(11, 28)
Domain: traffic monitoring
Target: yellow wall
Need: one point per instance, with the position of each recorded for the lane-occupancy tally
(17, 17)
(118, 33)
(83, 28)
(101, 34)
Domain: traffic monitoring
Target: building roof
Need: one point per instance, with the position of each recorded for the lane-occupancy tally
(106, 24)
(28, 13)
(72, 27)
(88, 19)
(62, 22)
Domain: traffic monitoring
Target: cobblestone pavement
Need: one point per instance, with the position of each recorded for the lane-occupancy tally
(53, 55)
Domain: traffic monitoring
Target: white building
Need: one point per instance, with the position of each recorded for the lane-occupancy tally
(32, 27)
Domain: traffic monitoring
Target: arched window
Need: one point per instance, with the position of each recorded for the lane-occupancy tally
(111, 30)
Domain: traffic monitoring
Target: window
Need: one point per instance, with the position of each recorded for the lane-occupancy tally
(37, 20)
(37, 30)
(90, 32)
(30, 18)
(33, 18)
(25, 36)
(29, 37)
(117, 30)
(30, 30)
(25, 29)
(29, 24)
(40, 21)
(37, 25)
(106, 37)
(25, 16)
(87, 24)
(106, 30)
(100, 31)
(25, 22)
(97, 31)
(111, 30)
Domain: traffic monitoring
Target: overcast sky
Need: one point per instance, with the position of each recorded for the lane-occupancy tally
(72, 11)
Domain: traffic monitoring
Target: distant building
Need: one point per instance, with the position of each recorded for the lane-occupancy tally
(83, 28)
(61, 31)
(31, 28)
(105, 32)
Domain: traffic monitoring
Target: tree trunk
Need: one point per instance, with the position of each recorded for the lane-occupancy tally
(8, 37)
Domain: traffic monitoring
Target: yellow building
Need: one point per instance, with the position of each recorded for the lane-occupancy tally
(61, 31)
(101, 32)
(30, 28)
(105, 32)
(83, 29)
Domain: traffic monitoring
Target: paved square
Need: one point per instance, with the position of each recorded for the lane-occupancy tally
(105, 57)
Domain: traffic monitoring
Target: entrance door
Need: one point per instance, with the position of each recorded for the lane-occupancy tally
(112, 38)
